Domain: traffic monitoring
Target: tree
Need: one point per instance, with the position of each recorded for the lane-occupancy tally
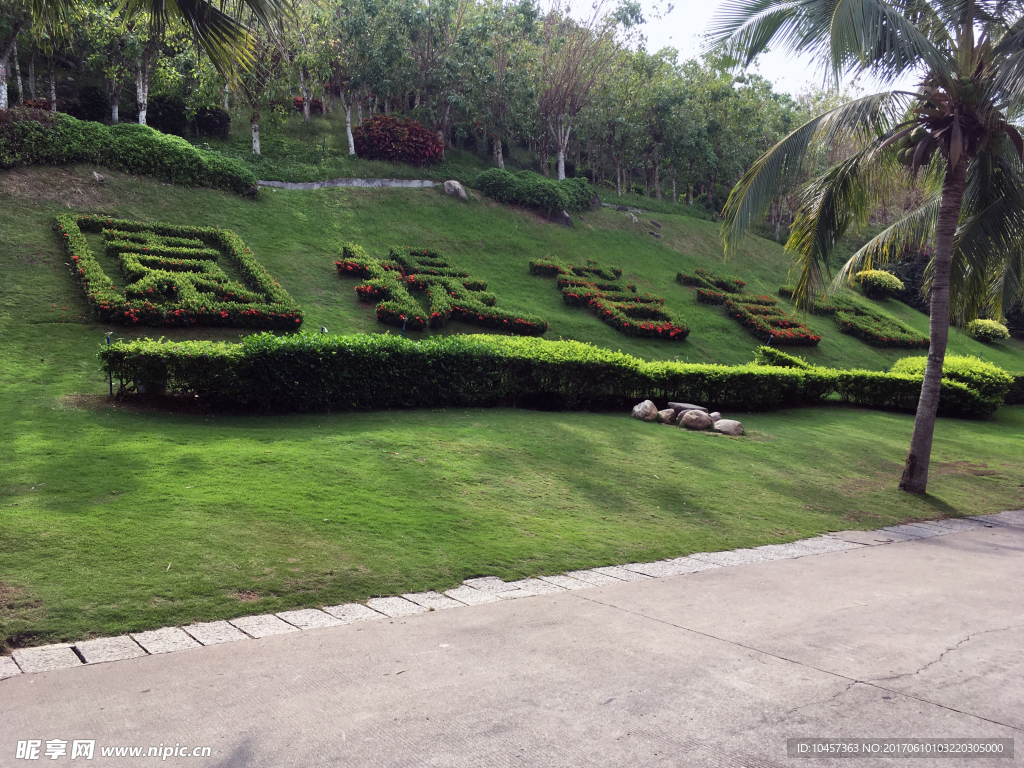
(14, 16)
(970, 56)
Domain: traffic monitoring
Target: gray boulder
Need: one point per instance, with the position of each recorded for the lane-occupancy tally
(716, 416)
(455, 189)
(679, 407)
(729, 427)
(695, 419)
(645, 411)
(667, 416)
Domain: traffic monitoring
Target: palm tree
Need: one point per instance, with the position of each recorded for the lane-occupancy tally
(216, 24)
(968, 59)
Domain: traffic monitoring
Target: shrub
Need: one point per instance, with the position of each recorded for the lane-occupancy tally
(758, 314)
(533, 190)
(383, 137)
(212, 121)
(1015, 394)
(43, 104)
(990, 381)
(30, 137)
(987, 330)
(317, 372)
(167, 114)
(879, 284)
(173, 276)
(92, 104)
(771, 356)
(620, 306)
(316, 106)
(453, 295)
(869, 325)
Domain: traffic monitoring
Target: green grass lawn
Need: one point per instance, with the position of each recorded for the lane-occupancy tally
(114, 519)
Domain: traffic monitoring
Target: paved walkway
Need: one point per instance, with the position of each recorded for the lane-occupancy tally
(913, 638)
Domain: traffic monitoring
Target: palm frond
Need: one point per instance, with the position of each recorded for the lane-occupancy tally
(783, 164)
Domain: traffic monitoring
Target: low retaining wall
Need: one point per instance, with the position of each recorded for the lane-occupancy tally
(400, 183)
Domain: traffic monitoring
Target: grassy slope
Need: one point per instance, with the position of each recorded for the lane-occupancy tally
(97, 501)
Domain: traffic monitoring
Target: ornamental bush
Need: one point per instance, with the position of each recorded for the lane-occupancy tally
(167, 114)
(453, 295)
(173, 277)
(867, 324)
(879, 284)
(758, 314)
(987, 330)
(212, 121)
(35, 137)
(383, 137)
(319, 372)
(990, 381)
(535, 191)
(620, 306)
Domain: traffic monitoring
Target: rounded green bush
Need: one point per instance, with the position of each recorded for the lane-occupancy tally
(987, 330)
(879, 284)
(990, 381)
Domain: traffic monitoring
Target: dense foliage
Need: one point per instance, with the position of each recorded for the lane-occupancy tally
(306, 372)
(383, 137)
(173, 277)
(879, 284)
(989, 380)
(30, 137)
(535, 191)
(758, 314)
(620, 306)
(451, 292)
(987, 330)
(866, 323)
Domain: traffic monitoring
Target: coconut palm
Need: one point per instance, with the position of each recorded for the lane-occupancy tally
(967, 57)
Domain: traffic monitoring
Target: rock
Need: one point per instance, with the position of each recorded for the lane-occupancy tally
(561, 217)
(645, 411)
(715, 416)
(251, 191)
(687, 407)
(729, 427)
(634, 219)
(655, 223)
(99, 177)
(667, 416)
(455, 189)
(596, 202)
(621, 208)
(654, 233)
(695, 420)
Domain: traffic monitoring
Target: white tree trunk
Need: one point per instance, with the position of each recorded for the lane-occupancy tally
(497, 151)
(142, 90)
(305, 94)
(17, 76)
(673, 189)
(3, 83)
(53, 90)
(387, 105)
(561, 163)
(113, 96)
(227, 92)
(347, 106)
(32, 75)
(359, 111)
(255, 133)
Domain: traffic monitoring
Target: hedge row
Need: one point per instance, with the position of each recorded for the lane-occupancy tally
(533, 190)
(453, 295)
(173, 285)
(873, 327)
(33, 136)
(758, 314)
(318, 372)
(618, 305)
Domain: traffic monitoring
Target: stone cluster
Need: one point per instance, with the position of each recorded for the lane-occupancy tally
(687, 415)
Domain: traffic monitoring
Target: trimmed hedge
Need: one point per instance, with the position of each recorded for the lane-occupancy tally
(987, 330)
(317, 372)
(533, 190)
(990, 381)
(618, 305)
(758, 314)
(453, 294)
(868, 325)
(35, 137)
(173, 276)
(879, 284)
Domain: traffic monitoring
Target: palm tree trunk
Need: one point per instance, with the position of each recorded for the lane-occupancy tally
(915, 473)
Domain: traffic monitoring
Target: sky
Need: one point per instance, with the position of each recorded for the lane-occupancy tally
(689, 20)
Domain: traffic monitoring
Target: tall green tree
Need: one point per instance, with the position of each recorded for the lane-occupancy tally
(969, 55)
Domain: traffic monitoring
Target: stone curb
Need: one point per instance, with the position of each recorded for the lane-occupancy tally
(476, 591)
(307, 185)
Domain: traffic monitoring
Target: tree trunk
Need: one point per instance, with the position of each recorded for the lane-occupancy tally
(497, 151)
(359, 112)
(674, 198)
(227, 92)
(114, 96)
(387, 105)
(305, 94)
(657, 179)
(32, 74)
(255, 131)
(17, 76)
(347, 106)
(142, 89)
(915, 473)
(3, 81)
(618, 175)
(53, 85)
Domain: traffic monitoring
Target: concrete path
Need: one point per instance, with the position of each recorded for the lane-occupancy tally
(917, 638)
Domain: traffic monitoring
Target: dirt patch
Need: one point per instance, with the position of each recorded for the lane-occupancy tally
(245, 596)
(9, 593)
(963, 469)
(74, 188)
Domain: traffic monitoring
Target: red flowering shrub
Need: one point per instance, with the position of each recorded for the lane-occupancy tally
(173, 277)
(383, 137)
(316, 106)
(620, 306)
